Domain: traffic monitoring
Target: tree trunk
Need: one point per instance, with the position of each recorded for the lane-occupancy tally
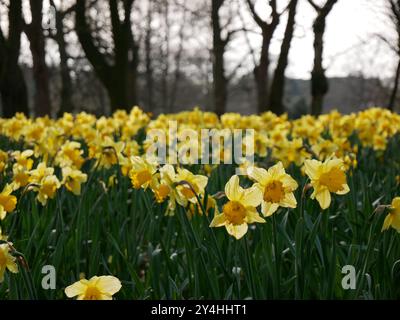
(319, 82)
(34, 32)
(66, 104)
(261, 73)
(148, 59)
(393, 95)
(119, 78)
(14, 94)
(278, 82)
(219, 78)
(13, 89)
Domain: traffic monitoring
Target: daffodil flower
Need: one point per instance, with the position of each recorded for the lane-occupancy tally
(142, 171)
(8, 202)
(326, 177)
(276, 186)
(96, 288)
(393, 218)
(240, 210)
(73, 179)
(7, 261)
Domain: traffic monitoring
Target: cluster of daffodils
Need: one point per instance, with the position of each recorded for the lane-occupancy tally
(273, 188)
(47, 156)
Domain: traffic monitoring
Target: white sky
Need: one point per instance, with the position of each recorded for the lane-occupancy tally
(351, 43)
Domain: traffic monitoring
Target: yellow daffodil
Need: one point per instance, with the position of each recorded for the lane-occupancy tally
(276, 186)
(3, 237)
(326, 177)
(7, 201)
(21, 177)
(7, 261)
(3, 160)
(73, 179)
(96, 288)
(47, 188)
(70, 155)
(168, 178)
(142, 171)
(160, 189)
(111, 152)
(23, 159)
(40, 172)
(240, 210)
(393, 218)
(188, 186)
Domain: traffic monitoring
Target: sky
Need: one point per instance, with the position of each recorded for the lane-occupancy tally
(350, 40)
(351, 44)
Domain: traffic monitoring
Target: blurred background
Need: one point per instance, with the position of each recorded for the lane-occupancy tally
(247, 56)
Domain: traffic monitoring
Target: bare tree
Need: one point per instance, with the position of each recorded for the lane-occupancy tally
(13, 89)
(148, 58)
(35, 34)
(118, 72)
(278, 82)
(66, 103)
(262, 68)
(218, 51)
(319, 82)
(178, 60)
(393, 12)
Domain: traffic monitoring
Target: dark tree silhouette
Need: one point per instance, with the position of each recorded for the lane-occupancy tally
(262, 68)
(319, 82)
(278, 81)
(394, 16)
(34, 32)
(219, 45)
(118, 74)
(14, 96)
(66, 103)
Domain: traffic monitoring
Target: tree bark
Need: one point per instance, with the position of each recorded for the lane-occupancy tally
(119, 77)
(261, 70)
(14, 96)
(319, 82)
(34, 32)
(393, 94)
(278, 82)
(148, 59)
(66, 103)
(219, 44)
(261, 73)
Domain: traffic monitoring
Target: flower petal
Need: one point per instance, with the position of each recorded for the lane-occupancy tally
(311, 168)
(252, 197)
(269, 208)
(289, 201)
(257, 174)
(324, 198)
(233, 190)
(237, 231)
(108, 285)
(75, 289)
(218, 221)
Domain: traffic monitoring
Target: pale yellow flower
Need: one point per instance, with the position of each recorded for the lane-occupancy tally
(8, 202)
(393, 218)
(240, 210)
(96, 288)
(7, 261)
(276, 186)
(326, 177)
